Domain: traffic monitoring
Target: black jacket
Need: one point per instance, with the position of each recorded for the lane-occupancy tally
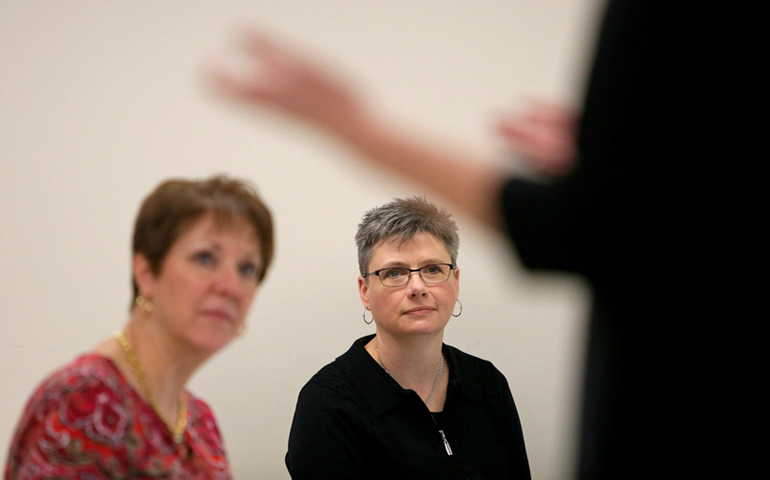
(620, 221)
(354, 421)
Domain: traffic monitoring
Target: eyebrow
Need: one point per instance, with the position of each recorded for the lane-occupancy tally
(399, 264)
(217, 247)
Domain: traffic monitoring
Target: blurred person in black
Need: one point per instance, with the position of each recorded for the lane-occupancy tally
(606, 213)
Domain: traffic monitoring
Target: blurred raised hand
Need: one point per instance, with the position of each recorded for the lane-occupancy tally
(543, 136)
(263, 72)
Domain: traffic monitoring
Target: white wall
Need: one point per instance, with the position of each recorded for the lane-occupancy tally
(101, 100)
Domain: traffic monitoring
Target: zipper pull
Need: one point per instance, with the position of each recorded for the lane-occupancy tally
(446, 443)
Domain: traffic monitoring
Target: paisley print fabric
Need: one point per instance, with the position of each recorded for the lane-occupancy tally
(86, 422)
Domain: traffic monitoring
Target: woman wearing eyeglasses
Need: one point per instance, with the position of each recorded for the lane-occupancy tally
(400, 403)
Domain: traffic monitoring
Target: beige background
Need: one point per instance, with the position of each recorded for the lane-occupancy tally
(101, 100)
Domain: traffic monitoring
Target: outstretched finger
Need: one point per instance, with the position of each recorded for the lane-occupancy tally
(265, 48)
(225, 79)
(551, 114)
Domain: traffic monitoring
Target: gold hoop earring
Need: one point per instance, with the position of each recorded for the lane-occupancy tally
(364, 315)
(145, 303)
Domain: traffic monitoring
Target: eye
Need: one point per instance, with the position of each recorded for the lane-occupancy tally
(248, 270)
(432, 269)
(393, 273)
(205, 258)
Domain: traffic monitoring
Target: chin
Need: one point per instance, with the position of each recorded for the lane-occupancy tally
(212, 341)
(424, 329)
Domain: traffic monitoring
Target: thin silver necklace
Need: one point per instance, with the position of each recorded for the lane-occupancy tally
(435, 382)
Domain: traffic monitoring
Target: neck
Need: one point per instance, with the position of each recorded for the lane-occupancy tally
(414, 356)
(166, 365)
(414, 363)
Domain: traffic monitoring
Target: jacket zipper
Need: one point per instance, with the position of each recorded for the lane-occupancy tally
(446, 443)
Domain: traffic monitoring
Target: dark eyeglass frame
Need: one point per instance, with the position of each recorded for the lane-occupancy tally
(451, 266)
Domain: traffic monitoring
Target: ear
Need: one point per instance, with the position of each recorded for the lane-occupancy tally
(363, 291)
(145, 278)
(457, 280)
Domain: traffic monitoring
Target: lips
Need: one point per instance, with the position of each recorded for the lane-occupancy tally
(421, 310)
(218, 314)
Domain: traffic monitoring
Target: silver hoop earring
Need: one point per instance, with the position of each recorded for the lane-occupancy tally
(461, 309)
(364, 315)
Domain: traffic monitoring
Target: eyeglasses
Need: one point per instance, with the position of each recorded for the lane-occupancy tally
(399, 276)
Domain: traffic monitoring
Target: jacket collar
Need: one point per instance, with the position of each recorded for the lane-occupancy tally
(383, 394)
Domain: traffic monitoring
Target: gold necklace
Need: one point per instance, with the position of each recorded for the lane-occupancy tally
(181, 421)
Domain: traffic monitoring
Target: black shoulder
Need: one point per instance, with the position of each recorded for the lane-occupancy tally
(468, 364)
(329, 383)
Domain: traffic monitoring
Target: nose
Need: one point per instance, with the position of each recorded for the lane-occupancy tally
(416, 285)
(228, 282)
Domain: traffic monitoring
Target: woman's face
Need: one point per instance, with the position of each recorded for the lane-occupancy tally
(415, 308)
(206, 283)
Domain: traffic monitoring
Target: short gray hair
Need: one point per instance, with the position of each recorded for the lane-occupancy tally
(401, 220)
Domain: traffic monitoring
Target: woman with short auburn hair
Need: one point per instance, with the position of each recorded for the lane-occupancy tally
(200, 252)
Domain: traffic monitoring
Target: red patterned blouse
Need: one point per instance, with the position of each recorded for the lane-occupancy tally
(86, 422)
